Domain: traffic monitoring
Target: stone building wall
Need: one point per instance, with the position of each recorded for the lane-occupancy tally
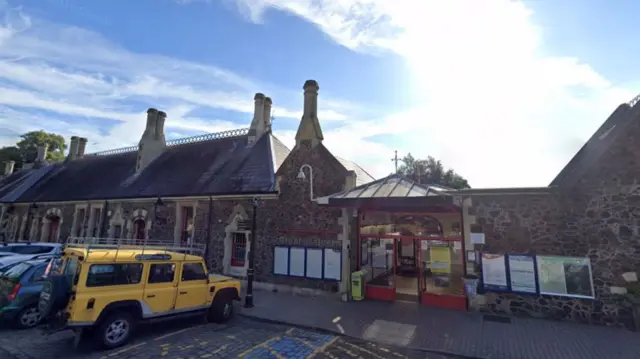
(294, 220)
(589, 221)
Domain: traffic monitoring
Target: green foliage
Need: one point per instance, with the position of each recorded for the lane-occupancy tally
(430, 171)
(26, 149)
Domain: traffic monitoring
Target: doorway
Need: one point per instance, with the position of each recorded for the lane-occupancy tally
(54, 226)
(139, 228)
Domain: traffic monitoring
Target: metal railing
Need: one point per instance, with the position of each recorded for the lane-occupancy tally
(634, 101)
(127, 244)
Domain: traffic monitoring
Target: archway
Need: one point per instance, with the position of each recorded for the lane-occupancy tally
(51, 223)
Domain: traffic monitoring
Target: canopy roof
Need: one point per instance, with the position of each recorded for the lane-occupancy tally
(394, 191)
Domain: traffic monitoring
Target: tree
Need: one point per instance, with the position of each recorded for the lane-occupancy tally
(26, 149)
(430, 171)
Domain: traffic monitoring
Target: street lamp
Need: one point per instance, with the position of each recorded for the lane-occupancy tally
(302, 177)
(248, 300)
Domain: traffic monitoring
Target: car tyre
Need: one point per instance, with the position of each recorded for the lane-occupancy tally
(115, 331)
(28, 317)
(54, 295)
(221, 310)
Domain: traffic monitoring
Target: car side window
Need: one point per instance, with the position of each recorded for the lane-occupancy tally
(104, 275)
(162, 273)
(193, 271)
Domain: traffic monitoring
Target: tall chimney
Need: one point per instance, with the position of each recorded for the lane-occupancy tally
(8, 167)
(159, 133)
(267, 114)
(73, 148)
(309, 129)
(152, 143)
(82, 146)
(257, 124)
(42, 154)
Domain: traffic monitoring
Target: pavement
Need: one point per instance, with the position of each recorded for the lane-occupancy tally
(446, 332)
(185, 339)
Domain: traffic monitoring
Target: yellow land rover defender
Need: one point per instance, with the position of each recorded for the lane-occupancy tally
(105, 287)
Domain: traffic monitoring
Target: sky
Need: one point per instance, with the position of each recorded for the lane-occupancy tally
(504, 92)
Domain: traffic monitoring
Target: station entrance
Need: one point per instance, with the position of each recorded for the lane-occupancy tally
(409, 242)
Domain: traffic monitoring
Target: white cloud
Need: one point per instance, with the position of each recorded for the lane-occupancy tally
(90, 86)
(492, 103)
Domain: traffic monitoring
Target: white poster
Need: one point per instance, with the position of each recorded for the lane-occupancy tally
(296, 258)
(281, 261)
(477, 238)
(332, 261)
(314, 263)
(522, 272)
(565, 276)
(494, 271)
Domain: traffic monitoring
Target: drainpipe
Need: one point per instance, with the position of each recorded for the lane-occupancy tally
(209, 218)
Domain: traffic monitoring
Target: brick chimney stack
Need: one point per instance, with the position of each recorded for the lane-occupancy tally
(152, 143)
(309, 128)
(257, 124)
(73, 148)
(82, 146)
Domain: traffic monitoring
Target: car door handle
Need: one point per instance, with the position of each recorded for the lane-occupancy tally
(183, 292)
(151, 296)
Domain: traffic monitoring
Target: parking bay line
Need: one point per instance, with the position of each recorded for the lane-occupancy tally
(124, 350)
(176, 332)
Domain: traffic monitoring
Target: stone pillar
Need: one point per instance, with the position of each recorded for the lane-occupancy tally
(267, 114)
(343, 237)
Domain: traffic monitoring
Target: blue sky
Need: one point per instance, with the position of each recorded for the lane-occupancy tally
(503, 92)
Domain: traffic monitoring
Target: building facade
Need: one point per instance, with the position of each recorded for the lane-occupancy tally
(206, 189)
(195, 190)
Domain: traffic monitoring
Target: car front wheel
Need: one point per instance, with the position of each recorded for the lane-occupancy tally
(221, 310)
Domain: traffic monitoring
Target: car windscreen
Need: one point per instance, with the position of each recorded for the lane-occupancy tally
(15, 271)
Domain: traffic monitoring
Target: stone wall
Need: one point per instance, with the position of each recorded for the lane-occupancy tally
(573, 223)
(293, 219)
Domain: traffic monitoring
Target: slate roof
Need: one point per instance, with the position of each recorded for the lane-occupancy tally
(213, 164)
(362, 176)
(599, 142)
(217, 166)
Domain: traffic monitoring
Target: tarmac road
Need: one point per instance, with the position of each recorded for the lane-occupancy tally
(241, 338)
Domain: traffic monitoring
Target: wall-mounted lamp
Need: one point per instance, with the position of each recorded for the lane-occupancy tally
(302, 177)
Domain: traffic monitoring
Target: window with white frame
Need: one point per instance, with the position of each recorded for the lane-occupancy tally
(238, 249)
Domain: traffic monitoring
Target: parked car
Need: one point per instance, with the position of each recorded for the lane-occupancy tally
(11, 253)
(110, 289)
(20, 286)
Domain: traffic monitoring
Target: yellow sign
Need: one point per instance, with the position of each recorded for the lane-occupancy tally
(440, 258)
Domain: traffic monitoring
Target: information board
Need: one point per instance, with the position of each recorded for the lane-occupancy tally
(565, 276)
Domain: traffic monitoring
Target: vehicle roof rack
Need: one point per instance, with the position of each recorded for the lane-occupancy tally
(119, 244)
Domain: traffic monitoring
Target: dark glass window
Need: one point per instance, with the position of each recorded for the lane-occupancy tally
(103, 275)
(162, 273)
(193, 271)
